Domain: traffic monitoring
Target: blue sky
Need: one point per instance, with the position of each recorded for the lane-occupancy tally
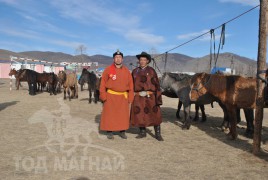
(129, 25)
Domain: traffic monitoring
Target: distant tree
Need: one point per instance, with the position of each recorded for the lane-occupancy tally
(81, 50)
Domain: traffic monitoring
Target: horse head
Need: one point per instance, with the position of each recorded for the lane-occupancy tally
(12, 72)
(198, 86)
(84, 76)
(62, 77)
(164, 81)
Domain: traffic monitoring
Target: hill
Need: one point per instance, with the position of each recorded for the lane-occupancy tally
(175, 62)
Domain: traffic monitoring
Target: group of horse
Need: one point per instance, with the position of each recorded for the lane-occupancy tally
(232, 92)
(37, 81)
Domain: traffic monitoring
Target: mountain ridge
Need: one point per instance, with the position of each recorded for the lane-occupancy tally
(175, 62)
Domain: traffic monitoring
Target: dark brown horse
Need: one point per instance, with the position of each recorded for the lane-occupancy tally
(68, 82)
(47, 78)
(31, 78)
(92, 80)
(232, 91)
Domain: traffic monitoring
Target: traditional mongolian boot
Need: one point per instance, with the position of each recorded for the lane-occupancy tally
(123, 134)
(110, 135)
(142, 133)
(158, 133)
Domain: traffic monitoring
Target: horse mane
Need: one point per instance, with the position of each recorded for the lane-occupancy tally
(179, 76)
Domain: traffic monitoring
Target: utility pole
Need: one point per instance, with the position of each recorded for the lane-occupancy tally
(232, 65)
(261, 65)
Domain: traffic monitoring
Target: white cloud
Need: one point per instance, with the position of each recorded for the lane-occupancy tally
(205, 37)
(144, 37)
(243, 2)
(191, 35)
(40, 24)
(20, 33)
(30, 35)
(106, 15)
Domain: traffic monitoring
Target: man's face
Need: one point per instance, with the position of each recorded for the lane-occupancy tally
(118, 59)
(143, 61)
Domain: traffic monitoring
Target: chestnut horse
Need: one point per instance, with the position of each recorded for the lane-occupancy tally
(232, 91)
(69, 81)
(16, 74)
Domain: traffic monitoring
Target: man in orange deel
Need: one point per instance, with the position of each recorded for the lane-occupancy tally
(116, 92)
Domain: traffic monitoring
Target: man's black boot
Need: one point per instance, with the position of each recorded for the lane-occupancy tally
(142, 133)
(157, 130)
(110, 135)
(123, 134)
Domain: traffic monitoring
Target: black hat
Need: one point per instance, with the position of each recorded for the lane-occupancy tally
(144, 54)
(118, 53)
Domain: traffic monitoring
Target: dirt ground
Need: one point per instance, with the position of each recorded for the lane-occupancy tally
(44, 137)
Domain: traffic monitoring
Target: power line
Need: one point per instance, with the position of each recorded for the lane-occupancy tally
(208, 31)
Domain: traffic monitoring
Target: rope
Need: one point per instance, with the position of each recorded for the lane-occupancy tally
(156, 66)
(182, 44)
(165, 67)
(212, 40)
(221, 43)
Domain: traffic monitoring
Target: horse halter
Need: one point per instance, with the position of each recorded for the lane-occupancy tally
(197, 88)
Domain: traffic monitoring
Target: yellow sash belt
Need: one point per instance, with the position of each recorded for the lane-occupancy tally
(118, 93)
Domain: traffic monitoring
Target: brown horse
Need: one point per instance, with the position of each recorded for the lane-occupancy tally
(17, 75)
(69, 81)
(44, 78)
(233, 91)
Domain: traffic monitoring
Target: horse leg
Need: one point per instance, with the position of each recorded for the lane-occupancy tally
(238, 115)
(249, 114)
(204, 117)
(82, 86)
(76, 91)
(17, 84)
(95, 96)
(68, 91)
(187, 122)
(64, 91)
(50, 87)
(233, 121)
(90, 94)
(30, 88)
(226, 120)
(178, 110)
(98, 94)
(196, 117)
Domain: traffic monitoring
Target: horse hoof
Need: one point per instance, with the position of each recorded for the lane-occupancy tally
(204, 119)
(196, 119)
(178, 115)
(249, 134)
(230, 136)
(185, 127)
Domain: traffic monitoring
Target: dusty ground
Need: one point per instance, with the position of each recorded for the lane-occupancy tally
(44, 137)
